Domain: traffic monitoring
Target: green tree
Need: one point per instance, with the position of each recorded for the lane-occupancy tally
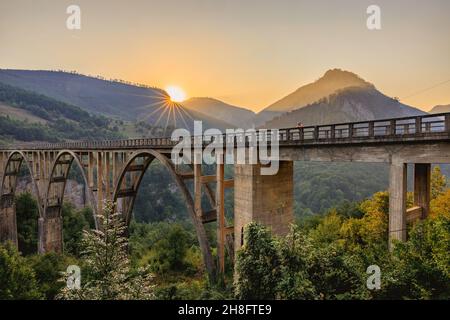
(258, 265)
(17, 278)
(438, 182)
(74, 223)
(107, 274)
(171, 250)
(47, 268)
(420, 267)
(441, 204)
(27, 219)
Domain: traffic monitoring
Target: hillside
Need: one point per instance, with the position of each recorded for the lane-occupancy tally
(332, 81)
(27, 116)
(124, 101)
(329, 83)
(347, 105)
(440, 109)
(237, 116)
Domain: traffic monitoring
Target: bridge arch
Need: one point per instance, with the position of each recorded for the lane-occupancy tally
(11, 170)
(59, 172)
(50, 226)
(127, 186)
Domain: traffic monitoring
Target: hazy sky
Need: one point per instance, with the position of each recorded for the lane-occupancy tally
(246, 52)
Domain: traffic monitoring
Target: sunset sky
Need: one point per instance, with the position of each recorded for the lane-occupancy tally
(248, 53)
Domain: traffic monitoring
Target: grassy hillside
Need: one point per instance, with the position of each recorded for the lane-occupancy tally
(28, 116)
(110, 98)
(237, 116)
(346, 105)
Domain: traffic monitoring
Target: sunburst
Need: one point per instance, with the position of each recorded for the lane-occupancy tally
(168, 111)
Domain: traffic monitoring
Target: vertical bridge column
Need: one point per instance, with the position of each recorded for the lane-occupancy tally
(267, 199)
(50, 225)
(8, 225)
(8, 222)
(399, 216)
(397, 202)
(422, 188)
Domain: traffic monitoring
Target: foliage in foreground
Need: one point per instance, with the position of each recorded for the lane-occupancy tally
(17, 278)
(30, 277)
(329, 260)
(108, 274)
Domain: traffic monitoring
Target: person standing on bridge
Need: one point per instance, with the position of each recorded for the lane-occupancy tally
(300, 125)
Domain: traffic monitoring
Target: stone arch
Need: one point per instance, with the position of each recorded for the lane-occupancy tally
(138, 163)
(51, 222)
(54, 178)
(8, 219)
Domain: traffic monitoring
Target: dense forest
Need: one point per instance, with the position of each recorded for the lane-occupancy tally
(341, 212)
(325, 256)
(57, 121)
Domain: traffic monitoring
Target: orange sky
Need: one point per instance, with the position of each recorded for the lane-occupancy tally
(249, 53)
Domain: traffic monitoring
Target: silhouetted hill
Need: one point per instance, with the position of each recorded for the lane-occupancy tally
(237, 116)
(125, 101)
(28, 116)
(329, 83)
(440, 109)
(347, 105)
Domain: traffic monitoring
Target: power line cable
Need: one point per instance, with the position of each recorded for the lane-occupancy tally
(426, 89)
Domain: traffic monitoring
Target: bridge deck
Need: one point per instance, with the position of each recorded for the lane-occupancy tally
(424, 128)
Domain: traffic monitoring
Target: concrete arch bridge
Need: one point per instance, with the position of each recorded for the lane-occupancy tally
(113, 170)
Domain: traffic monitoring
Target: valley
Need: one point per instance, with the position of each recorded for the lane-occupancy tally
(116, 109)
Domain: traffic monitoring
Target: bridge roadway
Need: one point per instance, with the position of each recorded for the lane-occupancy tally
(113, 170)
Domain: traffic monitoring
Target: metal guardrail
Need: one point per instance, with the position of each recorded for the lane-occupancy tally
(407, 127)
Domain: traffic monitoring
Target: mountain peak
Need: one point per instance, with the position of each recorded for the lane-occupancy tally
(332, 81)
(345, 105)
(341, 75)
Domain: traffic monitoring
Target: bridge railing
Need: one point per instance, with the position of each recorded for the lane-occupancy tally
(417, 126)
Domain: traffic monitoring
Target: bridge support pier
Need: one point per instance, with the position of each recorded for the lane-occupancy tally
(267, 199)
(50, 235)
(422, 188)
(397, 202)
(399, 216)
(8, 222)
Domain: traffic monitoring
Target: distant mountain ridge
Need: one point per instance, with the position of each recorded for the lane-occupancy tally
(440, 109)
(109, 98)
(237, 116)
(28, 116)
(332, 81)
(337, 96)
(346, 105)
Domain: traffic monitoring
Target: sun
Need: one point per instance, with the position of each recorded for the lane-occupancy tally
(176, 93)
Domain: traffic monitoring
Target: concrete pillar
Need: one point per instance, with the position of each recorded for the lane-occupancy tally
(107, 175)
(2, 163)
(8, 222)
(220, 210)
(422, 187)
(198, 189)
(267, 199)
(397, 202)
(99, 182)
(90, 175)
(51, 234)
